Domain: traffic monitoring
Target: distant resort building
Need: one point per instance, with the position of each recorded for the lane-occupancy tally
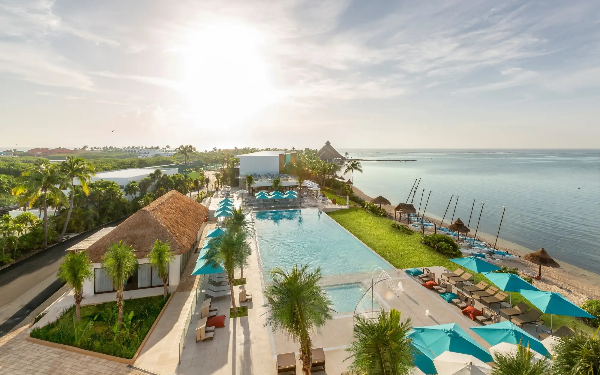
(173, 217)
(42, 152)
(6, 154)
(123, 176)
(266, 165)
(149, 152)
(329, 154)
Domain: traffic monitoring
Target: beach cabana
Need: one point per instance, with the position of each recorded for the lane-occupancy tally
(459, 227)
(215, 233)
(554, 303)
(541, 258)
(508, 282)
(405, 208)
(475, 264)
(450, 363)
(380, 200)
(508, 332)
(349, 182)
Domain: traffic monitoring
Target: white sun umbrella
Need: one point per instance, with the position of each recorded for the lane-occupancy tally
(450, 363)
(549, 342)
(509, 348)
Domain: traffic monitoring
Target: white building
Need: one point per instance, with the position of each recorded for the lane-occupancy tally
(123, 176)
(265, 165)
(173, 217)
(149, 152)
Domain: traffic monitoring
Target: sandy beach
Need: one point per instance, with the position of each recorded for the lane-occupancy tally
(575, 283)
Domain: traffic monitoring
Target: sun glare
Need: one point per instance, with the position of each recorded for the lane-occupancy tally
(224, 76)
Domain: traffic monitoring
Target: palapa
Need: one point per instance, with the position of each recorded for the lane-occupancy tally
(459, 227)
(349, 182)
(380, 200)
(541, 258)
(405, 208)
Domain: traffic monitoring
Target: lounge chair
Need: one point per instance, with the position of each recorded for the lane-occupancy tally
(214, 294)
(476, 288)
(441, 289)
(460, 279)
(456, 273)
(426, 274)
(245, 297)
(286, 363)
(498, 298)
(318, 360)
(563, 331)
(530, 317)
(462, 301)
(521, 308)
(485, 293)
(202, 334)
(206, 311)
(487, 316)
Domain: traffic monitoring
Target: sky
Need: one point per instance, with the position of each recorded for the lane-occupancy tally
(361, 74)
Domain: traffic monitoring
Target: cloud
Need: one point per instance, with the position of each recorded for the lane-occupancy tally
(517, 77)
(575, 80)
(162, 82)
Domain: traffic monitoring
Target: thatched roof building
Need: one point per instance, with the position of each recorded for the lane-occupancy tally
(459, 227)
(406, 208)
(541, 258)
(380, 200)
(329, 154)
(172, 217)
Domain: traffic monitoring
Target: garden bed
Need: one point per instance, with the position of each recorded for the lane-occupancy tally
(95, 332)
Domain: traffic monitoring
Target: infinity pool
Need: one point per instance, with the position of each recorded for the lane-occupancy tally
(345, 297)
(309, 236)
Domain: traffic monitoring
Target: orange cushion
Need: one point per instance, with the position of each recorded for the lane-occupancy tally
(217, 321)
(430, 284)
(471, 312)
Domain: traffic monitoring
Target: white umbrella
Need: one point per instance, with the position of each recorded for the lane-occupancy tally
(450, 363)
(509, 348)
(549, 342)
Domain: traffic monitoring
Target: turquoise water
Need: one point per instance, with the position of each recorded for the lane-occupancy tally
(346, 296)
(308, 236)
(552, 197)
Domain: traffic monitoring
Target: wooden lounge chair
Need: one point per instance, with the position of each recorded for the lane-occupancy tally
(476, 288)
(487, 316)
(245, 297)
(498, 298)
(485, 293)
(563, 331)
(456, 273)
(286, 363)
(521, 308)
(462, 301)
(425, 275)
(441, 289)
(318, 360)
(530, 317)
(202, 334)
(460, 279)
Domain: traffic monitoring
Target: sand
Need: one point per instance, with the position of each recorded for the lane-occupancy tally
(575, 283)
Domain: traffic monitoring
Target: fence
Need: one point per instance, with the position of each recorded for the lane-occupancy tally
(187, 321)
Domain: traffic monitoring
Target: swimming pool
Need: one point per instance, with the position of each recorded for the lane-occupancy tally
(346, 296)
(308, 236)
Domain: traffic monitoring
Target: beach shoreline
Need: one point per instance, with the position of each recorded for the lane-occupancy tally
(573, 282)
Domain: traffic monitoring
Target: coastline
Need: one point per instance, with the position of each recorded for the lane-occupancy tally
(575, 283)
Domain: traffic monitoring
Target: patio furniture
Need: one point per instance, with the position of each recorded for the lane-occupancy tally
(476, 288)
(286, 363)
(318, 360)
(214, 294)
(485, 293)
(460, 279)
(445, 288)
(487, 316)
(530, 317)
(521, 308)
(201, 333)
(457, 273)
(206, 311)
(498, 298)
(245, 297)
(462, 301)
(426, 273)
(563, 331)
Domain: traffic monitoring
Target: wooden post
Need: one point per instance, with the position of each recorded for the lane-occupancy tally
(455, 204)
(411, 190)
(499, 226)
(448, 206)
(415, 191)
(475, 237)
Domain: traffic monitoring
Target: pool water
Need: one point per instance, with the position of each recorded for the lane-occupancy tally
(308, 236)
(346, 296)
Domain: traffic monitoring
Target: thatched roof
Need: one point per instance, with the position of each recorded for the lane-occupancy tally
(380, 200)
(349, 182)
(542, 258)
(328, 153)
(172, 217)
(406, 208)
(459, 226)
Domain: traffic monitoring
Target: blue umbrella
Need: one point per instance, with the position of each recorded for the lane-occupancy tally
(508, 282)
(554, 303)
(449, 337)
(203, 253)
(422, 355)
(264, 196)
(260, 193)
(475, 264)
(224, 209)
(202, 268)
(215, 233)
(223, 214)
(276, 194)
(508, 332)
(225, 204)
(206, 244)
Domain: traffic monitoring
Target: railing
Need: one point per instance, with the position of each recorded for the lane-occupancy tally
(187, 323)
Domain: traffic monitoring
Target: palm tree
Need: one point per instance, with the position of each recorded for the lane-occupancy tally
(277, 186)
(144, 185)
(299, 306)
(351, 166)
(520, 363)
(119, 263)
(160, 257)
(578, 354)
(75, 168)
(131, 188)
(226, 251)
(186, 151)
(42, 181)
(155, 176)
(249, 181)
(239, 223)
(382, 346)
(74, 270)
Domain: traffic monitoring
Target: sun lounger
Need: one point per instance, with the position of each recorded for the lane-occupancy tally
(487, 316)
(214, 294)
(498, 298)
(217, 289)
(286, 363)
(456, 273)
(530, 317)
(244, 296)
(460, 279)
(462, 301)
(426, 274)
(476, 288)
(201, 332)
(521, 308)
(318, 360)
(485, 293)
(441, 289)
(563, 331)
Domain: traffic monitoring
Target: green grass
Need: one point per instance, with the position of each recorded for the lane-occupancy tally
(100, 336)
(241, 311)
(194, 175)
(406, 251)
(238, 282)
(338, 198)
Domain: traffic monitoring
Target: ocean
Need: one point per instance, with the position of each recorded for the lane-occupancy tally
(552, 197)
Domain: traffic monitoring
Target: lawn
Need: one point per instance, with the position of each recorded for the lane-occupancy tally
(406, 251)
(194, 175)
(99, 335)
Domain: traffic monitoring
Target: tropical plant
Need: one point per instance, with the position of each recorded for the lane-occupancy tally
(155, 176)
(186, 151)
(42, 181)
(277, 186)
(131, 188)
(299, 306)
(592, 306)
(72, 169)
(144, 185)
(382, 346)
(74, 270)
(442, 244)
(238, 222)
(520, 363)
(160, 257)
(119, 263)
(578, 354)
(249, 182)
(351, 166)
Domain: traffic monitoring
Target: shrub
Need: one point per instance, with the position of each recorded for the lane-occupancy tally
(442, 244)
(593, 307)
(402, 228)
